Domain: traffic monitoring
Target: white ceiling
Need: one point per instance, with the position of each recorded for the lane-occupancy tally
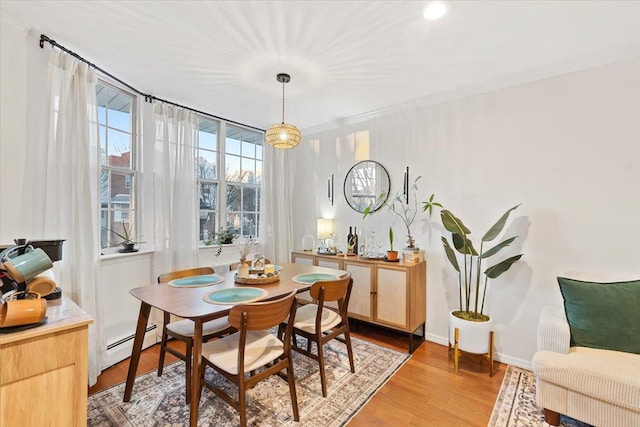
(345, 58)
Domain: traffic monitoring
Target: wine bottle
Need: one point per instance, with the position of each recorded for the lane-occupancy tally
(350, 249)
(355, 240)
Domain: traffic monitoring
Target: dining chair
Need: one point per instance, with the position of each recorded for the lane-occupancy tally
(240, 357)
(183, 329)
(320, 324)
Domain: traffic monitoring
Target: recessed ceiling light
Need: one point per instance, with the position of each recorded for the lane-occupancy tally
(435, 10)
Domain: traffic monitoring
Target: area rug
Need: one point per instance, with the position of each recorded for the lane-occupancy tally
(159, 401)
(516, 403)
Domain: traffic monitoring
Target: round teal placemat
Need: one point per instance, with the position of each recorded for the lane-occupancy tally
(235, 295)
(313, 277)
(196, 281)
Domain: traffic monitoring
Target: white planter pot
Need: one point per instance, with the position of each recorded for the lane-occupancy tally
(473, 337)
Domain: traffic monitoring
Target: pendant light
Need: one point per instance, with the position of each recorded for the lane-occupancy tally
(283, 135)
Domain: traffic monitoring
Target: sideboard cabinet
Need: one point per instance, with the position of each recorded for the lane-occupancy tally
(389, 294)
(43, 370)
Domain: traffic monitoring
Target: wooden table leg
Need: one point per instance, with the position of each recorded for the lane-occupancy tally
(196, 366)
(143, 318)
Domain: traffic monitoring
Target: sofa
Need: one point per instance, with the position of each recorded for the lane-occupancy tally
(594, 385)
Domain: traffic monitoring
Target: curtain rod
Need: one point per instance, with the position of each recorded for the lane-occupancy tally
(147, 97)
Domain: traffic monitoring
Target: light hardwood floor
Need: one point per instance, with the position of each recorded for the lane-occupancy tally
(424, 392)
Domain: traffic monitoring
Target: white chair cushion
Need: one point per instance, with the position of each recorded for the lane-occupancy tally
(306, 318)
(185, 327)
(261, 348)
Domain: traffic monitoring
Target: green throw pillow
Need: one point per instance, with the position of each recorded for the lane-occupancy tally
(603, 315)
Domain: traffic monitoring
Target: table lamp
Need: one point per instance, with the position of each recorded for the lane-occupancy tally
(324, 232)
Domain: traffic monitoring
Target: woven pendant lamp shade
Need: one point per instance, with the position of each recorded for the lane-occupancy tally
(283, 135)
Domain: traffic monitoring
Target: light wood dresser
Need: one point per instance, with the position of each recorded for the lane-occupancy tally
(43, 370)
(389, 294)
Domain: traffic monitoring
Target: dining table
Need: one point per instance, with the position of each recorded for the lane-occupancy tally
(194, 303)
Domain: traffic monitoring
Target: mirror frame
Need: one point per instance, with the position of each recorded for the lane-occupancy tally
(379, 202)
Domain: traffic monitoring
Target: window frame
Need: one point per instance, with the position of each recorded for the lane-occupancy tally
(131, 172)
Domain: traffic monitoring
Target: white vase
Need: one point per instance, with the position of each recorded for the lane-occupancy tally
(473, 337)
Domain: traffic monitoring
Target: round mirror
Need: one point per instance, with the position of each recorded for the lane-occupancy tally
(364, 184)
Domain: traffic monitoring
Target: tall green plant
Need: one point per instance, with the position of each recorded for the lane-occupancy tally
(391, 238)
(470, 273)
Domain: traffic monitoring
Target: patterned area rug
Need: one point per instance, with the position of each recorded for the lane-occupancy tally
(159, 401)
(516, 403)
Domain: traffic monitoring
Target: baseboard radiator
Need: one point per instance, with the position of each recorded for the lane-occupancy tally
(121, 349)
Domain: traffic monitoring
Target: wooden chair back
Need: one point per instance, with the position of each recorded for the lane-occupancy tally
(334, 290)
(179, 274)
(262, 315)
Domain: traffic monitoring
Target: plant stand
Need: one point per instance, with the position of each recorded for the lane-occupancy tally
(457, 352)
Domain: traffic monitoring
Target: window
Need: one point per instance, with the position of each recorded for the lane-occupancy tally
(232, 201)
(243, 177)
(116, 120)
(207, 176)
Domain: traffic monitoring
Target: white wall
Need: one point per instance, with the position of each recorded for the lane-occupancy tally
(567, 147)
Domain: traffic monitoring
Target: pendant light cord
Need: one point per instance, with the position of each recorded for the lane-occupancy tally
(283, 102)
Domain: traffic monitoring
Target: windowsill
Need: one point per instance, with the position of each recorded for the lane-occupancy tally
(120, 255)
(215, 246)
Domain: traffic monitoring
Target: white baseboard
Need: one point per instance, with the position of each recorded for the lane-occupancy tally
(503, 358)
(122, 351)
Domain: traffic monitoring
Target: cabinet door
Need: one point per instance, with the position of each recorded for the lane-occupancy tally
(329, 263)
(302, 259)
(360, 302)
(391, 297)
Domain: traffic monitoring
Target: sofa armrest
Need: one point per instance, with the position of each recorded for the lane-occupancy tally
(553, 330)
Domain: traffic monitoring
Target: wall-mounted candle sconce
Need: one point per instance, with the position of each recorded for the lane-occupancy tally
(330, 189)
(406, 185)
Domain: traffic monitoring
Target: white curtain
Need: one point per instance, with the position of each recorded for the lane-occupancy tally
(276, 218)
(175, 192)
(63, 189)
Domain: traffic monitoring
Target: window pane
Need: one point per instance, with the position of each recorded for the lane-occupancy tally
(232, 166)
(259, 151)
(249, 224)
(207, 225)
(102, 135)
(249, 199)
(258, 172)
(232, 146)
(208, 196)
(207, 165)
(248, 149)
(233, 223)
(233, 198)
(121, 191)
(248, 170)
(102, 114)
(119, 111)
(104, 229)
(104, 190)
(208, 134)
(119, 148)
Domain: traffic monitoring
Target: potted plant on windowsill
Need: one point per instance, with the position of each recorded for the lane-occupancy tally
(473, 325)
(128, 241)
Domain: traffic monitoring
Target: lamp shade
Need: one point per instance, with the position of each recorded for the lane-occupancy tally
(325, 228)
(283, 136)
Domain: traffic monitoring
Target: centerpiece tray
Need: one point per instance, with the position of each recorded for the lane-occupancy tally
(255, 279)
